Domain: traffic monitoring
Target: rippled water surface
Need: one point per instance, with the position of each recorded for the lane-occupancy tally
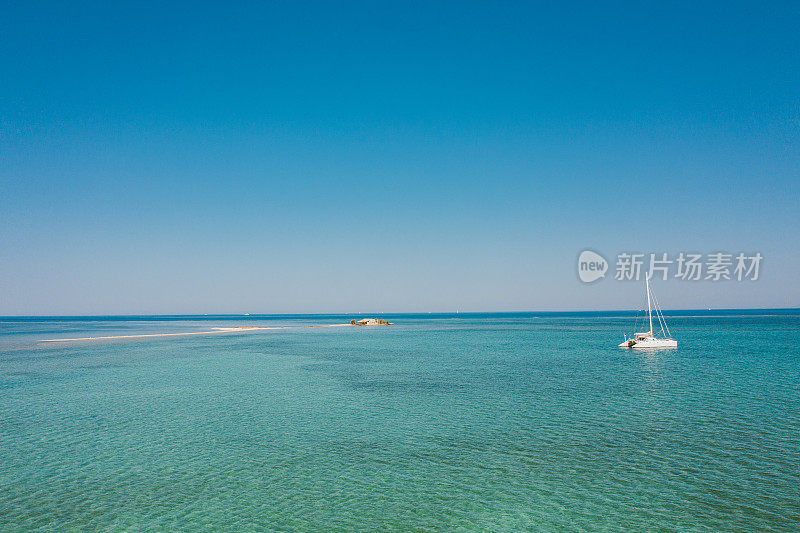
(476, 422)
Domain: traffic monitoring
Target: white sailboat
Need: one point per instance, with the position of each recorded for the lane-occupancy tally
(648, 339)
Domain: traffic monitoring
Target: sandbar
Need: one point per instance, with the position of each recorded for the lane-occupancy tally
(237, 329)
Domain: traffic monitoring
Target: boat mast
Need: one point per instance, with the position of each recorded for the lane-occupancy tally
(649, 308)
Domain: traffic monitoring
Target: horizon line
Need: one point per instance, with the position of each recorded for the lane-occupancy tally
(705, 310)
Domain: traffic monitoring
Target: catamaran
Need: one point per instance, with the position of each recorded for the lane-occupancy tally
(648, 339)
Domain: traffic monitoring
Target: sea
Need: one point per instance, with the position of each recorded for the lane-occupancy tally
(441, 422)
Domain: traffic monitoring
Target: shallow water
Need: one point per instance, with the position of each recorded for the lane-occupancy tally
(478, 422)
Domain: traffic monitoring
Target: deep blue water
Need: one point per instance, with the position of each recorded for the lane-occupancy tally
(476, 422)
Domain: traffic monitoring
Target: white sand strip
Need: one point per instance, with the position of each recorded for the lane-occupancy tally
(237, 329)
(216, 330)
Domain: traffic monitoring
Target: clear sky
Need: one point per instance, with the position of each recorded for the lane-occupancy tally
(355, 157)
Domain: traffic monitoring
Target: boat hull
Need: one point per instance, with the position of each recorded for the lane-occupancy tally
(649, 343)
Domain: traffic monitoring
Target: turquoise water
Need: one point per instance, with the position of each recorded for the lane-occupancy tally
(481, 422)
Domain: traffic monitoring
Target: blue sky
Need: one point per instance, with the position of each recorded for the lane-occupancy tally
(363, 157)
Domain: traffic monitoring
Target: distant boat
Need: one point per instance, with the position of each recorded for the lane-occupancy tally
(648, 339)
